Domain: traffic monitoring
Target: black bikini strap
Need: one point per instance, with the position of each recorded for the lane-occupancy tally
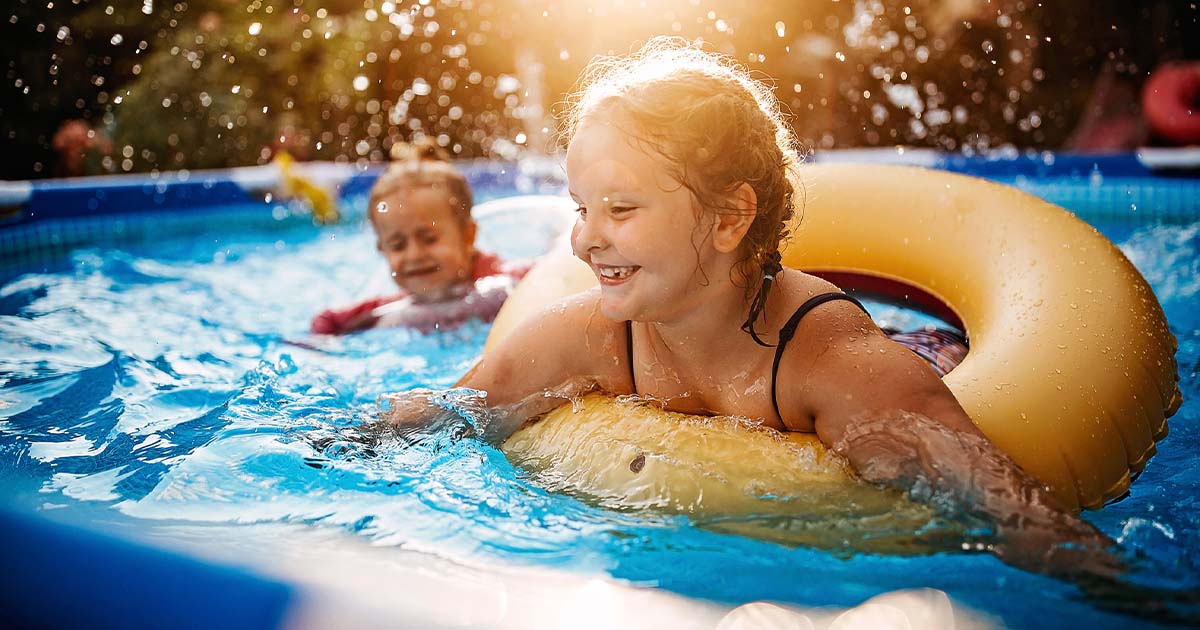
(629, 351)
(789, 330)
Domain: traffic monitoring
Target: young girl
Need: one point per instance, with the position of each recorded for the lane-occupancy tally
(420, 209)
(686, 175)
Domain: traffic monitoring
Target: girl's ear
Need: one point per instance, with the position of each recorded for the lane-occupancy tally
(733, 224)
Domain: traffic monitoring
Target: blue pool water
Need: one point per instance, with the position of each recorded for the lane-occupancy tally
(159, 382)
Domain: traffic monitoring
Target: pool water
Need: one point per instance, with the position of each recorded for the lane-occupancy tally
(175, 381)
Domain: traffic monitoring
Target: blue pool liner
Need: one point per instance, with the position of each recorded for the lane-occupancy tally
(61, 576)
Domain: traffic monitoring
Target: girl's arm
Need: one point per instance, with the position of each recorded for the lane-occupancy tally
(560, 353)
(886, 411)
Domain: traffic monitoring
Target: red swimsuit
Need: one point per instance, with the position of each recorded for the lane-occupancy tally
(362, 316)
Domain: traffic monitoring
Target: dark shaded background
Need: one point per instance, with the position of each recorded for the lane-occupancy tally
(154, 85)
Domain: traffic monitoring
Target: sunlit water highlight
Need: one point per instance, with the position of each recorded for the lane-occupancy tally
(158, 384)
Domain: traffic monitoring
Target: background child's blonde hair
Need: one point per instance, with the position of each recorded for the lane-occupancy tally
(423, 164)
(715, 126)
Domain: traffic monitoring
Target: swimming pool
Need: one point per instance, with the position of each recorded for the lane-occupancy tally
(150, 388)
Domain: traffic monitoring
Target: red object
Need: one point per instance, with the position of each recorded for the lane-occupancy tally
(894, 292)
(1171, 102)
(341, 321)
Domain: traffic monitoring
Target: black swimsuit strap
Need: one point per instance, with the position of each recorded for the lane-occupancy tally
(785, 335)
(789, 330)
(629, 351)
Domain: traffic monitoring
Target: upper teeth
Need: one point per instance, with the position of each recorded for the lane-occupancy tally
(617, 272)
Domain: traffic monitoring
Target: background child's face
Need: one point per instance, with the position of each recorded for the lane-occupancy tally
(427, 249)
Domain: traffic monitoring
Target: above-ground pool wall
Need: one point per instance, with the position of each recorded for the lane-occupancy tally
(1148, 186)
(42, 221)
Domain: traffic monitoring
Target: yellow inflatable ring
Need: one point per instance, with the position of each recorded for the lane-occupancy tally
(728, 474)
(1071, 369)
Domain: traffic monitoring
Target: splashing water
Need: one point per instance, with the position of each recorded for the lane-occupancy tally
(160, 384)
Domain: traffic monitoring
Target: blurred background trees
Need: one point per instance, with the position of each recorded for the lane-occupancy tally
(94, 87)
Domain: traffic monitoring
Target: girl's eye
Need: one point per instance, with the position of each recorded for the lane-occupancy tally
(617, 210)
(582, 211)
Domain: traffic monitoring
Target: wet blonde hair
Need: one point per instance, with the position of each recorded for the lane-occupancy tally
(423, 164)
(716, 128)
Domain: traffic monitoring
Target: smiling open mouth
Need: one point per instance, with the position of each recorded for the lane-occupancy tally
(420, 271)
(616, 273)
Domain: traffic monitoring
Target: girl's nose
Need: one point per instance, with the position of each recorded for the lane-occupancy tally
(587, 236)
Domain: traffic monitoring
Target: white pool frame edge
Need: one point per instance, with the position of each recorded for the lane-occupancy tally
(345, 581)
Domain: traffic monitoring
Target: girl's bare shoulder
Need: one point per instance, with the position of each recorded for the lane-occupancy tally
(575, 322)
(827, 321)
(564, 340)
(834, 346)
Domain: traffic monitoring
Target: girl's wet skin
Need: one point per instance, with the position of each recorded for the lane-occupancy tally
(687, 266)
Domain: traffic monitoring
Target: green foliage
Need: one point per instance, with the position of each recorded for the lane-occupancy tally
(234, 85)
(346, 79)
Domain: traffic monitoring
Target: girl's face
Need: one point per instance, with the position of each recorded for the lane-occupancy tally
(638, 228)
(427, 249)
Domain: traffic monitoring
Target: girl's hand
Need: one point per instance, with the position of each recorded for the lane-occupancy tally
(413, 409)
(965, 474)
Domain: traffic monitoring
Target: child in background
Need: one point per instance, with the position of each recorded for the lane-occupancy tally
(420, 209)
(686, 176)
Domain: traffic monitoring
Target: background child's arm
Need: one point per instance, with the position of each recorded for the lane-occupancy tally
(341, 321)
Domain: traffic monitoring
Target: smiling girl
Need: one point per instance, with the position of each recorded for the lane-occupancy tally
(686, 176)
(420, 209)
